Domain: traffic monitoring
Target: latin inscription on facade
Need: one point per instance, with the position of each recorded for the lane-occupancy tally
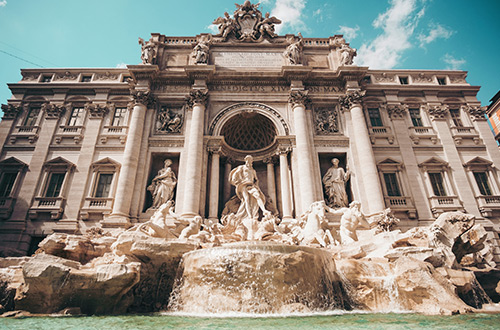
(247, 59)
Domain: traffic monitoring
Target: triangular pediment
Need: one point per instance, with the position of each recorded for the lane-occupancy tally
(106, 161)
(59, 161)
(12, 162)
(434, 161)
(389, 161)
(478, 161)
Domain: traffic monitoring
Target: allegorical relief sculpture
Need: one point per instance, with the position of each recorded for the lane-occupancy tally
(334, 181)
(247, 24)
(326, 121)
(148, 51)
(163, 184)
(169, 120)
(293, 53)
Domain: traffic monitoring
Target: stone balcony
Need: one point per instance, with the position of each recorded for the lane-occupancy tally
(465, 135)
(383, 133)
(401, 203)
(423, 135)
(96, 206)
(65, 133)
(24, 134)
(487, 204)
(440, 204)
(52, 205)
(116, 133)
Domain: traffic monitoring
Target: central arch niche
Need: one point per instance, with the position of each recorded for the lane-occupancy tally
(249, 131)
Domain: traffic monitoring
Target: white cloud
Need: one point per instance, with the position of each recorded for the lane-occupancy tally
(398, 24)
(349, 32)
(3, 3)
(436, 31)
(121, 65)
(453, 63)
(290, 12)
(213, 28)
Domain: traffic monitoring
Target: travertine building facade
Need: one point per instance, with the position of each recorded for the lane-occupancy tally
(81, 146)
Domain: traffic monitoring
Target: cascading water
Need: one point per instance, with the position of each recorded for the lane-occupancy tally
(257, 277)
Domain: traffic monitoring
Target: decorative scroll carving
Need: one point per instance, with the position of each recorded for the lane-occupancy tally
(197, 96)
(385, 78)
(326, 121)
(438, 112)
(351, 98)
(247, 24)
(143, 97)
(475, 112)
(97, 110)
(105, 76)
(293, 53)
(299, 97)
(148, 51)
(53, 111)
(11, 111)
(169, 120)
(66, 76)
(422, 78)
(397, 111)
(200, 52)
(28, 76)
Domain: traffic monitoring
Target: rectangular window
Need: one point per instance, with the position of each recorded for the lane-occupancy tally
(482, 183)
(103, 185)
(119, 117)
(31, 117)
(437, 183)
(76, 117)
(403, 80)
(55, 184)
(391, 183)
(46, 79)
(415, 118)
(441, 81)
(455, 116)
(6, 184)
(375, 119)
(86, 79)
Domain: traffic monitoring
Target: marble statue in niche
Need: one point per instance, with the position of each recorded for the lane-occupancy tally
(334, 181)
(163, 184)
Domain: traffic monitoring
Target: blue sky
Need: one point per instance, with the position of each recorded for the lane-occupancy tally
(389, 34)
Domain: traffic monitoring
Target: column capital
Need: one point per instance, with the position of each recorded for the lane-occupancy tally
(11, 111)
(98, 111)
(269, 160)
(144, 97)
(217, 150)
(283, 150)
(351, 98)
(437, 112)
(476, 113)
(53, 111)
(298, 98)
(397, 111)
(196, 97)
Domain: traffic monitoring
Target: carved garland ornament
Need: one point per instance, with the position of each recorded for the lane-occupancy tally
(53, 111)
(475, 112)
(397, 111)
(351, 98)
(11, 111)
(437, 112)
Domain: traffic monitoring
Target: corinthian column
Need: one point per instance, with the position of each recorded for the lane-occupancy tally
(123, 198)
(286, 196)
(196, 101)
(366, 157)
(213, 207)
(305, 148)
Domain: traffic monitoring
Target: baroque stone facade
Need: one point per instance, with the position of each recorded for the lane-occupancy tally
(81, 146)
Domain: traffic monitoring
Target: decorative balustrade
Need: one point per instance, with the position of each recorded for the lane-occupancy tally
(440, 204)
(52, 205)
